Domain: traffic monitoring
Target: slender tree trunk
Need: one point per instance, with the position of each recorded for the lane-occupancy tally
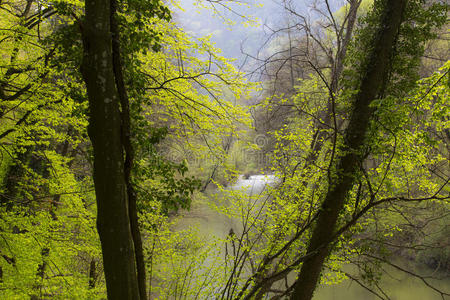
(338, 63)
(337, 66)
(129, 152)
(40, 274)
(92, 274)
(113, 221)
(346, 165)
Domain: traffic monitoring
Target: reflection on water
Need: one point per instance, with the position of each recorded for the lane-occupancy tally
(397, 285)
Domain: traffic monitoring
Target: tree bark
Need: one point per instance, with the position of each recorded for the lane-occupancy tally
(129, 152)
(92, 274)
(346, 165)
(113, 222)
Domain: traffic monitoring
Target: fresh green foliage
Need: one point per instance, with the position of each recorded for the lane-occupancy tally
(190, 130)
(49, 244)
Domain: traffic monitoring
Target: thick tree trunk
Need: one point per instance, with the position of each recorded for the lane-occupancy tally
(113, 222)
(346, 166)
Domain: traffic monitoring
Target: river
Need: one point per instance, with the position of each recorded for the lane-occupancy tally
(396, 284)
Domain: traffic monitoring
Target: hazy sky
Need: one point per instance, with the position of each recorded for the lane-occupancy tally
(230, 39)
(200, 22)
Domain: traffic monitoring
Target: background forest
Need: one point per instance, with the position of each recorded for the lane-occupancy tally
(138, 162)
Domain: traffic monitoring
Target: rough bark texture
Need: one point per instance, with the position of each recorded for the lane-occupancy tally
(113, 222)
(347, 164)
(129, 152)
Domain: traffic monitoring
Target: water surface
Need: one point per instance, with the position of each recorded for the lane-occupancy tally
(396, 284)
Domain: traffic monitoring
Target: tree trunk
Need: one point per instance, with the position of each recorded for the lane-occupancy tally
(92, 274)
(346, 165)
(113, 222)
(129, 152)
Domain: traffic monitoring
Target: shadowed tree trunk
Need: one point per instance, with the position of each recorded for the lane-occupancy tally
(129, 152)
(92, 274)
(113, 222)
(346, 166)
